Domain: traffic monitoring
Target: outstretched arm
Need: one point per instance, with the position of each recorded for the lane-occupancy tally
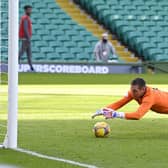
(108, 110)
(141, 111)
(121, 102)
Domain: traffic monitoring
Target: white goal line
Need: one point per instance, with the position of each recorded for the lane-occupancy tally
(54, 158)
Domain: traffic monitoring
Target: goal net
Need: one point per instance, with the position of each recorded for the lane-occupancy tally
(8, 72)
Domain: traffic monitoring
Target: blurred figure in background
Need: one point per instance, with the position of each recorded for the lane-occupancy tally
(25, 34)
(103, 49)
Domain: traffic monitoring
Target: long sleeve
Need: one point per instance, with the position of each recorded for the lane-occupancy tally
(121, 102)
(141, 111)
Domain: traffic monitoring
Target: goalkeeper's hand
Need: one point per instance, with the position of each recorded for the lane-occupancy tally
(104, 111)
(109, 113)
(114, 114)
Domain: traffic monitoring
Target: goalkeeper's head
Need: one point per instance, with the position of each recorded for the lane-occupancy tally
(138, 88)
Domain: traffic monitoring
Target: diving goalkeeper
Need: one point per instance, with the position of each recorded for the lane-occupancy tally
(148, 98)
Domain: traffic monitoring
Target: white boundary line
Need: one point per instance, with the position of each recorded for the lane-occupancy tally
(54, 158)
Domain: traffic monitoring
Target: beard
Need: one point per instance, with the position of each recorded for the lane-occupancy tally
(104, 41)
(29, 14)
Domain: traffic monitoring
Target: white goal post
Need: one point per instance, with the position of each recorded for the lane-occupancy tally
(13, 16)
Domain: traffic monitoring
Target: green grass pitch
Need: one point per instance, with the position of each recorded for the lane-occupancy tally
(54, 119)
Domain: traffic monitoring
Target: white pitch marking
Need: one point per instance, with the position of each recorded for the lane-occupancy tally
(54, 158)
(7, 166)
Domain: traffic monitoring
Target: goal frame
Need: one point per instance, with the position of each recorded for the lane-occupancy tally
(12, 121)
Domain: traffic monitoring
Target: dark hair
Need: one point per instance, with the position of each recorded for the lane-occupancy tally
(139, 81)
(27, 6)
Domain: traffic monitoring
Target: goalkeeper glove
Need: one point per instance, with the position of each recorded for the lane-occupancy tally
(102, 111)
(113, 114)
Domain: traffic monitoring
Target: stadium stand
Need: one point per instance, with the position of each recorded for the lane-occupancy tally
(83, 18)
(56, 36)
(141, 25)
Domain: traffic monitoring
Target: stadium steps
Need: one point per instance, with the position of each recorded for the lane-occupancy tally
(84, 19)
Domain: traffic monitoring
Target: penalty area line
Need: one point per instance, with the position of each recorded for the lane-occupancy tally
(54, 158)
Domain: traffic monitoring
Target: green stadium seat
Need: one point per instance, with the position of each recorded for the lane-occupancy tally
(162, 13)
(49, 16)
(70, 22)
(37, 27)
(42, 32)
(71, 33)
(149, 34)
(144, 47)
(57, 22)
(65, 27)
(50, 27)
(160, 57)
(83, 57)
(162, 45)
(41, 43)
(77, 39)
(112, 17)
(63, 17)
(162, 34)
(91, 39)
(53, 7)
(48, 38)
(35, 49)
(83, 44)
(47, 50)
(117, 25)
(40, 5)
(85, 33)
(149, 24)
(143, 29)
(78, 28)
(125, 29)
(156, 8)
(99, 8)
(55, 44)
(138, 3)
(138, 41)
(53, 57)
(156, 40)
(129, 36)
(70, 44)
(152, 52)
(38, 56)
(43, 21)
(165, 51)
(63, 38)
(76, 51)
(61, 50)
(156, 29)
(89, 51)
(143, 8)
(68, 56)
(162, 24)
(56, 32)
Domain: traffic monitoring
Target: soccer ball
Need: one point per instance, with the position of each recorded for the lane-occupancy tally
(101, 129)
